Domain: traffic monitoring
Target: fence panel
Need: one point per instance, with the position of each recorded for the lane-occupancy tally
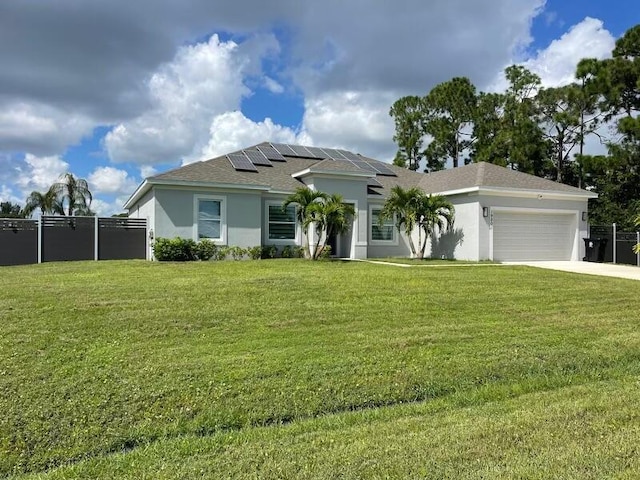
(68, 238)
(122, 238)
(18, 241)
(624, 242)
(624, 248)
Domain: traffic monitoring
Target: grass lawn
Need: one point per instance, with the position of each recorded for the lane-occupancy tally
(295, 369)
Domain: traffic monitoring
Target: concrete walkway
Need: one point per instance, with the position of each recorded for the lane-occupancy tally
(589, 268)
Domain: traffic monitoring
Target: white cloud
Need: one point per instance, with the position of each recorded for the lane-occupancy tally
(233, 131)
(203, 81)
(111, 180)
(7, 195)
(556, 64)
(39, 173)
(40, 128)
(357, 121)
(273, 86)
(147, 171)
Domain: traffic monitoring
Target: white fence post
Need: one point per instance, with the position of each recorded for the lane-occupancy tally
(40, 239)
(615, 243)
(95, 240)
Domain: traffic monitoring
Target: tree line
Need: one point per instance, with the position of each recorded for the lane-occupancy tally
(68, 196)
(538, 130)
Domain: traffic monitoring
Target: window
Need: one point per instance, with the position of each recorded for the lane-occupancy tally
(282, 223)
(384, 232)
(210, 219)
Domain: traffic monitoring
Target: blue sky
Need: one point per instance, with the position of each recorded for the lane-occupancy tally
(112, 94)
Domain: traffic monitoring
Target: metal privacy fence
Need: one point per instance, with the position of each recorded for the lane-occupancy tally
(52, 239)
(617, 246)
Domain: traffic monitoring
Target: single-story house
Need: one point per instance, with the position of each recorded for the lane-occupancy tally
(236, 199)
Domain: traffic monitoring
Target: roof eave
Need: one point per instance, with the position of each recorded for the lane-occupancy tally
(521, 192)
(137, 194)
(149, 182)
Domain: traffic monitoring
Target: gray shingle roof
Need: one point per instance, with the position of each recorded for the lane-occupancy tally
(278, 177)
(489, 175)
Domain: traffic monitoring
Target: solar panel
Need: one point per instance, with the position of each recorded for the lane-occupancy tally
(301, 151)
(257, 158)
(241, 162)
(381, 169)
(284, 149)
(317, 152)
(334, 154)
(350, 155)
(372, 182)
(363, 165)
(271, 153)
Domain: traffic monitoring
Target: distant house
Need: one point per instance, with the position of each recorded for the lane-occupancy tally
(236, 199)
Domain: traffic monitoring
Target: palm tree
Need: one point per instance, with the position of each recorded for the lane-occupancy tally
(304, 197)
(433, 211)
(412, 209)
(402, 205)
(74, 192)
(47, 202)
(330, 215)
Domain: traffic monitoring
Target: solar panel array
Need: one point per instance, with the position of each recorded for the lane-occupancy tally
(265, 154)
(271, 153)
(241, 162)
(258, 158)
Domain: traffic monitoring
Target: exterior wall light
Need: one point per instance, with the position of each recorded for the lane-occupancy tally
(584, 216)
(485, 212)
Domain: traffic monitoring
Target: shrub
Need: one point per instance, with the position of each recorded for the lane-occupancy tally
(237, 252)
(326, 252)
(221, 253)
(292, 251)
(269, 251)
(174, 250)
(205, 250)
(255, 253)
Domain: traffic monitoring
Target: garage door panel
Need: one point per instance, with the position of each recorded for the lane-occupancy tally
(532, 236)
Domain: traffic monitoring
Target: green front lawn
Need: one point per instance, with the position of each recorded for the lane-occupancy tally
(290, 368)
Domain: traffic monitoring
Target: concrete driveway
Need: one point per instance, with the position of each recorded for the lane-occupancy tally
(589, 268)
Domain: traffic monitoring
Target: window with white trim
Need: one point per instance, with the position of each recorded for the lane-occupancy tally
(384, 232)
(282, 222)
(210, 219)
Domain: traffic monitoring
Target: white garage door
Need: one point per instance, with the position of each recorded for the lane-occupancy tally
(521, 236)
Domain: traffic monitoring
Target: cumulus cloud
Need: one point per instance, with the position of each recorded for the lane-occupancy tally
(233, 131)
(111, 180)
(106, 208)
(204, 80)
(556, 64)
(39, 173)
(357, 121)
